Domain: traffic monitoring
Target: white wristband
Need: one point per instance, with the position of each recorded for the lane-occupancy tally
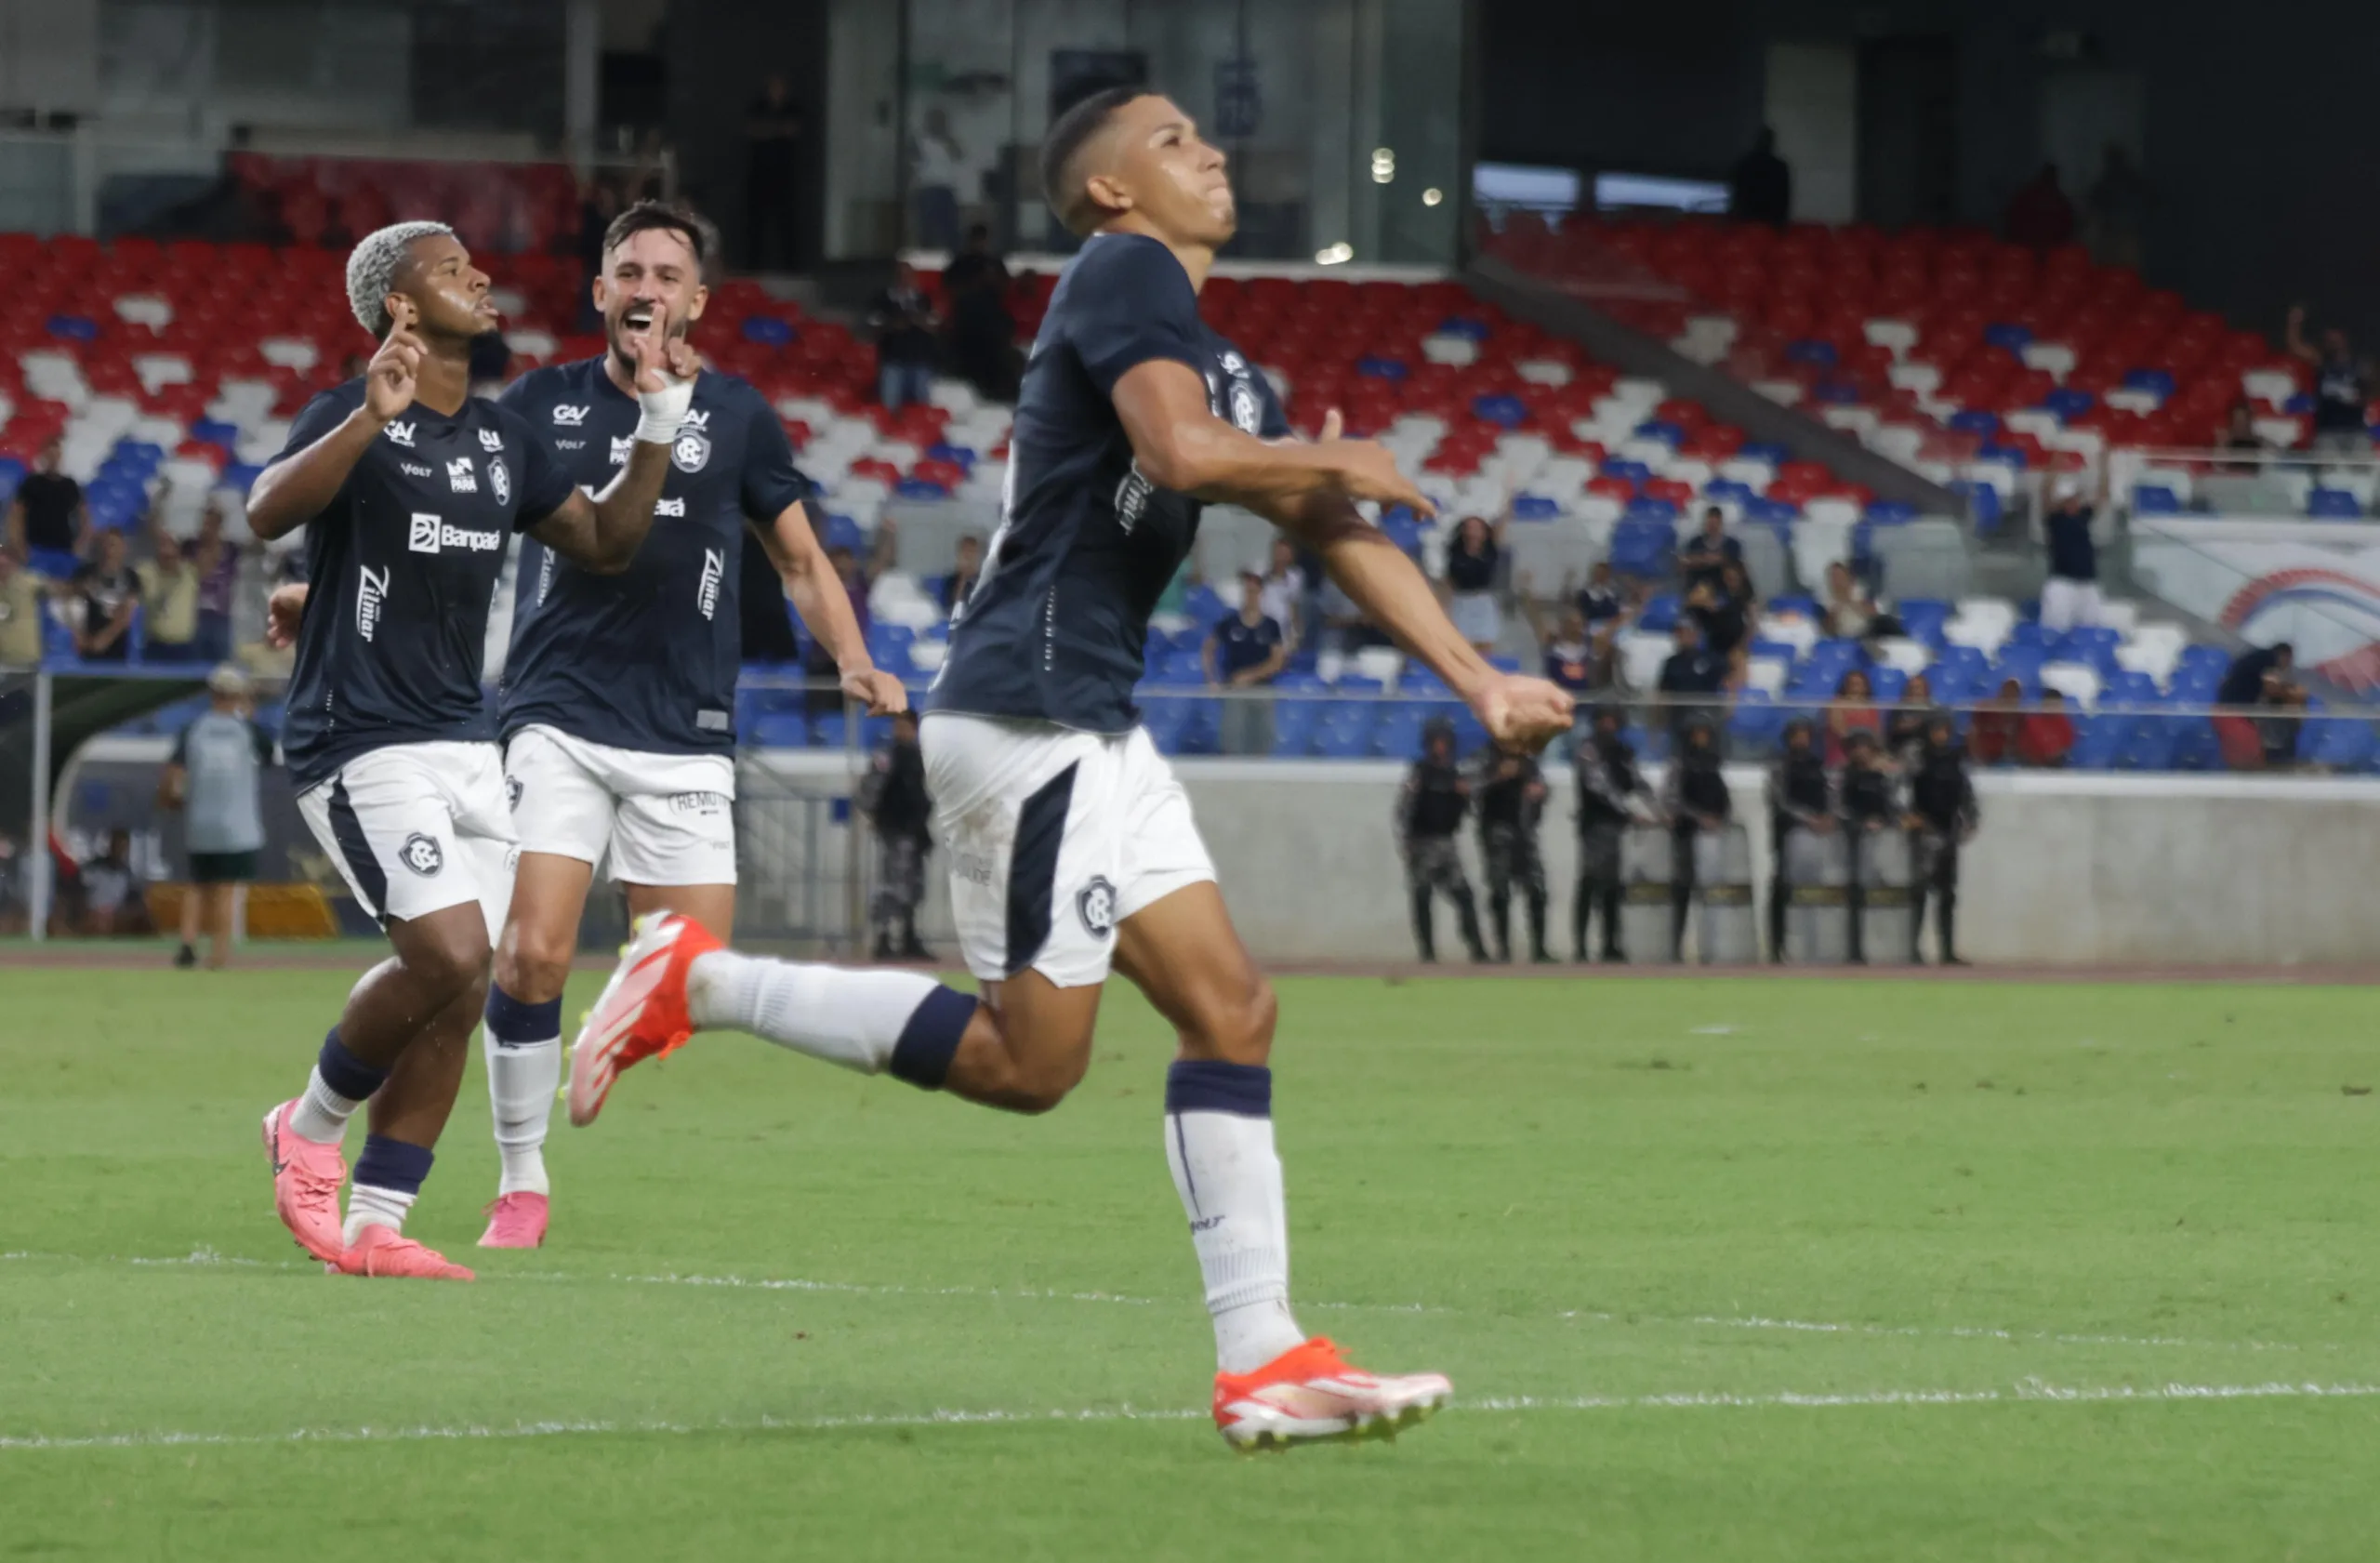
(660, 412)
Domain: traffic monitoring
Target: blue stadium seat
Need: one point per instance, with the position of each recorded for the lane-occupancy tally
(829, 731)
(782, 730)
(2151, 498)
(2097, 741)
(2333, 504)
(1535, 507)
(1397, 734)
(1660, 614)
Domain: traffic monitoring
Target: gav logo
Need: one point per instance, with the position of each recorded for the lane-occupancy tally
(459, 476)
(568, 416)
(499, 480)
(670, 508)
(399, 435)
(423, 854)
(491, 440)
(714, 572)
(696, 418)
(371, 591)
(430, 534)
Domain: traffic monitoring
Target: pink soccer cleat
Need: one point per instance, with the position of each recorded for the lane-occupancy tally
(1311, 1392)
(388, 1255)
(516, 1220)
(642, 1012)
(306, 1178)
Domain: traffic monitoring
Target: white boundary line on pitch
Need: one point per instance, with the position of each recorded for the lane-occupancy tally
(202, 1258)
(2026, 1392)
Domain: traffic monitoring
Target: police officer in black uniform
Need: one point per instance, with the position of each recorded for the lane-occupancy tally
(1801, 804)
(1511, 801)
(1943, 816)
(1695, 800)
(1871, 804)
(893, 798)
(1430, 809)
(1611, 790)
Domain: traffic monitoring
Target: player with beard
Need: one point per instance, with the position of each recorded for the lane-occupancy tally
(618, 697)
(408, 487)
(1071, 845)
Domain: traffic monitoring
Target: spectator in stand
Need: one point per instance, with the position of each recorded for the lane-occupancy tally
(216, 562)
(112, 905)
(1760, 187)
(1853, 710)
(773, 131)
(111, 594)
(2070, 595)
(2241, 435)
(1724, 610)
(1568, 653)
(48, 521)
(1693, 677)
(937, 165)
(1470, 582)
(1694, 797)
(169, 604)
(213, 779)
(1285, 587)
(1246, 652)
(1905, 729)
(1849, 610)
(902, 317)
(1943, 816)
(964, 573)
(1707, 555)
(981, 331)
(2342, 387)
(2283, 722)
(1612, 796)
(2116, 206)
(1992, 737)
(1603, 599)
(2253, 680)
(2046, 737)
(2041, 218)
(21, 610)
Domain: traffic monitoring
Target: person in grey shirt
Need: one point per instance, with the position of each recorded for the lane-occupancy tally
(212, 779)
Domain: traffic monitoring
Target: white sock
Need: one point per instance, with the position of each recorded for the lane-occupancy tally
(370, 1205)
(1229, 1177)
(846, 1017)
(522, 1077)
(321, 1114)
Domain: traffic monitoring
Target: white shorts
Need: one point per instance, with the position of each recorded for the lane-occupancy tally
(417, 828)
(1054, 836)
(666, 818)
(2069, 605)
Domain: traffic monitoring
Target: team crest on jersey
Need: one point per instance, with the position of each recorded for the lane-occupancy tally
(500, 482)
(491, 440)
(513, 788)
(423, 854)
(1097, 906)
(399, 435)
(568, 416)
(1247, 414)
(691, 450)
(459, 476)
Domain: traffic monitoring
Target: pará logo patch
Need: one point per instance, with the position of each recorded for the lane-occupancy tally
(1097, 906)
(499, 480)
(459, 476)
(690, 451)
(423, 854)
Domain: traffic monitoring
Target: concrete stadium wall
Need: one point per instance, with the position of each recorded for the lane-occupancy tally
(2068, 869)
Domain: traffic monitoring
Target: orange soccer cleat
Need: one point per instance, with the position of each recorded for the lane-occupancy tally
(384, 1254)
(306, 1178)
(641, 1012)
(1309, 1392)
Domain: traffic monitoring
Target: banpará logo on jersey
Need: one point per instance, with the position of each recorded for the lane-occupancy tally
(671, 507)
(621, 443)
(569, 416)
(399, 435)
(416, 470)
(459, 476)
(491, 440)
(714, 572)
(1131, 498)
(1097, 905)
(499, 480)
(371, 594)
(423, 854)
(690, 450)
(430, 534)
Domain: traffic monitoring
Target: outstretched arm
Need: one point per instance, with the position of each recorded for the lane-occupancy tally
(1179, 444)
(818, 596)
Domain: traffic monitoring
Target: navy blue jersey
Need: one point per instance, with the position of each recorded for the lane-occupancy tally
(1055, 626)
(646, 659)
(403, 562)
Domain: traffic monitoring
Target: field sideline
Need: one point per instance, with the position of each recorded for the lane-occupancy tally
(1720, 1269)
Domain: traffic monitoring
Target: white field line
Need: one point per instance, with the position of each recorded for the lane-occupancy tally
(207, 1257)
(2028, 1391)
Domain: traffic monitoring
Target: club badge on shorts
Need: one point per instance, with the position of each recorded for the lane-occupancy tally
(1097, 906)
(423, 854)
(690, 450)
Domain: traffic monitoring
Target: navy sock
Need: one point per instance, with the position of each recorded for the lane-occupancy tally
(345, 1073)
(512, 1023)
(392, 1165)
(930, 1038)
(1209, 1085)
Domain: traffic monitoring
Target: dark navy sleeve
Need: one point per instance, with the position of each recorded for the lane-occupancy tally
(771, 482)
(318, 418)
(1131, 302)
(545, 487)
(1272, 423)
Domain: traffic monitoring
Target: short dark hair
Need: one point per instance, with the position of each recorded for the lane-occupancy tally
(665, 217)
(1061, 183)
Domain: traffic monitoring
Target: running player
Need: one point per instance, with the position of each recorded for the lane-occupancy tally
(1071, 845)
(618, 697)
(408, 487)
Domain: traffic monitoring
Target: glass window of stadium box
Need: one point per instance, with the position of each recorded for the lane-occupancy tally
(1341, 117)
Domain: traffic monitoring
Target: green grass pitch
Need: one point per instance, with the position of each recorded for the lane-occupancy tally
(1721, 1270)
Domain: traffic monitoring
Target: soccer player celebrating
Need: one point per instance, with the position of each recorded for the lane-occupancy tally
(407, 486)
(1071, 844)
(618, 699)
